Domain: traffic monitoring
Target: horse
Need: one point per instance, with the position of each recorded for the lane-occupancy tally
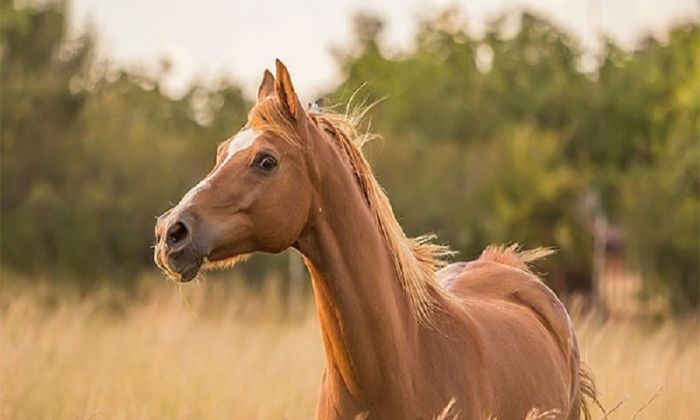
(405, 335)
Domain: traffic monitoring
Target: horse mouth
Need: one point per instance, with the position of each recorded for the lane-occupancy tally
(183, 274)
(190, 271)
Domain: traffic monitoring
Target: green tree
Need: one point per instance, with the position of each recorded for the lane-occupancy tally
(91, 154)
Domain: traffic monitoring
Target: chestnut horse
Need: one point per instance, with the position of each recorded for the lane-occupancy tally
(403, 335)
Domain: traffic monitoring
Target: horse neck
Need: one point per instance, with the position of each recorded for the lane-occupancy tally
(367, 325)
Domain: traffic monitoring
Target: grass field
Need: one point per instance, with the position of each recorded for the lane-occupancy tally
(209, 352)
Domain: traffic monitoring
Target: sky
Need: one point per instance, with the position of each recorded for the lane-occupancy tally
(210, 39)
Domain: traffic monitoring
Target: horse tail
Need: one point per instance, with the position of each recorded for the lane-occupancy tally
(513, 256)
(588, 391)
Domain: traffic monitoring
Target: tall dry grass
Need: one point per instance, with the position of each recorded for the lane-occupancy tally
(644, 369)
(222, 353)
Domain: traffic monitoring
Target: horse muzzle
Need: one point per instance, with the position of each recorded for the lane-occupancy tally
(176, 251)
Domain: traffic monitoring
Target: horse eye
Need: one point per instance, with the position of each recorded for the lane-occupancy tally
(265, 162)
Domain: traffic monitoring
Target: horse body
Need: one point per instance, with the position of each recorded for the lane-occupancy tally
(402, 340)
(501, 347)
(492, 354)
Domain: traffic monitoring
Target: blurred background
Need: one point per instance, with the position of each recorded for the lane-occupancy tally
(573, 124)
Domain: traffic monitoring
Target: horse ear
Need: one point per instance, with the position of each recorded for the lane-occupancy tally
(285, 91)
(267, 86)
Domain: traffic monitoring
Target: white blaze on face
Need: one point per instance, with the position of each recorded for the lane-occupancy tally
(241, 141)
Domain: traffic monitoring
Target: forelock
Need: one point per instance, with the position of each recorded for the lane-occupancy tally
(269, 115)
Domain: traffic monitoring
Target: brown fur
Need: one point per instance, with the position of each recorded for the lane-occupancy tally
(404, 338)
(513, 256)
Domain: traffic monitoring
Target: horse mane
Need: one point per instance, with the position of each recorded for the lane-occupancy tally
(415, 259)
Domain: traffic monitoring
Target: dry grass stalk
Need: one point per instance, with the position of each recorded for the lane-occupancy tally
(118, 356)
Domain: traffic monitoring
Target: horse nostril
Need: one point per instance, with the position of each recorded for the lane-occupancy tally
(177, 233)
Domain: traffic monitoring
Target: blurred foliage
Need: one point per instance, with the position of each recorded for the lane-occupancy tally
(498, 138)
(91, 155)
(504, 138)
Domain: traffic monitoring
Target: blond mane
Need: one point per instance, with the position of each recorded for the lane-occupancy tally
(415, 259)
